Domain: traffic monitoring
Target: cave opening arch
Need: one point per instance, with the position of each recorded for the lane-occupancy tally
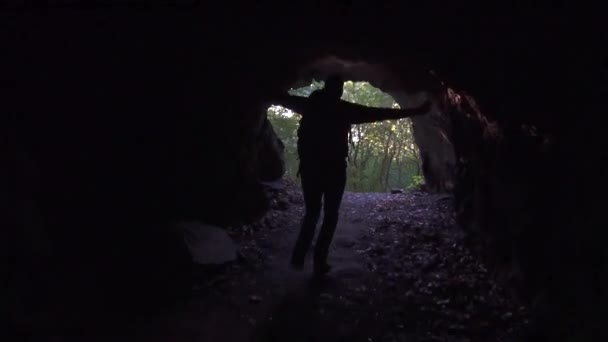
(432, 132)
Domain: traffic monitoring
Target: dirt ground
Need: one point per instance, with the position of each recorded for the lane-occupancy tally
(400, 272)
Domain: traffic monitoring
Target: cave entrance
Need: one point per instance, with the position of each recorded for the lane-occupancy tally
(382, 155)
(400, 260)
(427, 161)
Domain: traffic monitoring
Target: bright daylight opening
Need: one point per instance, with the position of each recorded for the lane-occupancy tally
(382, 155)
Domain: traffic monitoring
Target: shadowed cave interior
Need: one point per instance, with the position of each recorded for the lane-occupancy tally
(120, 122)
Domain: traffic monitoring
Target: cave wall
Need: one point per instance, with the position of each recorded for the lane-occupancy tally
(131, 119)
(431, 134)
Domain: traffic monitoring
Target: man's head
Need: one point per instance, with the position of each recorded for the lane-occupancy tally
(333, 86)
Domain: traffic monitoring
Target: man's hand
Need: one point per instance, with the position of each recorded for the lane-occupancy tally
(423, 108)
(279, 96)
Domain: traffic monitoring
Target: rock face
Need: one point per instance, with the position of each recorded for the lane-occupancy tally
(270, 158)
(129, 125)
(431, 134)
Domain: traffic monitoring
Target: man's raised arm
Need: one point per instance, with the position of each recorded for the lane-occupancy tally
(357, 114)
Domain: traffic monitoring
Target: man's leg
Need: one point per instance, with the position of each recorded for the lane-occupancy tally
(312, 189)
(333, 191)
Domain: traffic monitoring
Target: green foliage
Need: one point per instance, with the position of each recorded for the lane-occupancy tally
(306, 91)
(417, 181)
(382, 154)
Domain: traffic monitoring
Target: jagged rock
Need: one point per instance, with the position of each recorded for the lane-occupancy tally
(270, 159)
(207, 244)
(436, 150)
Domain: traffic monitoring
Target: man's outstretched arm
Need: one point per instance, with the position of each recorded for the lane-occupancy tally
(297, 104)
(357, 114)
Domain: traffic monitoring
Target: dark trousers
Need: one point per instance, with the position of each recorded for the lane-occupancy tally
(320, 182)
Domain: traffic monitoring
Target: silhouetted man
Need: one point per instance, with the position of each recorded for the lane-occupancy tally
(323, 149)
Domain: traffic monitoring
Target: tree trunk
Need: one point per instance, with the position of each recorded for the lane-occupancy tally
(388, 168)
(398, 160)
(384, 162)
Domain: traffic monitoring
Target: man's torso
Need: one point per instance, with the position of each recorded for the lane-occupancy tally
(323, 134)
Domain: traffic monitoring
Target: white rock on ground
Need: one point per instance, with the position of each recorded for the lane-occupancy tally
(207, 244)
